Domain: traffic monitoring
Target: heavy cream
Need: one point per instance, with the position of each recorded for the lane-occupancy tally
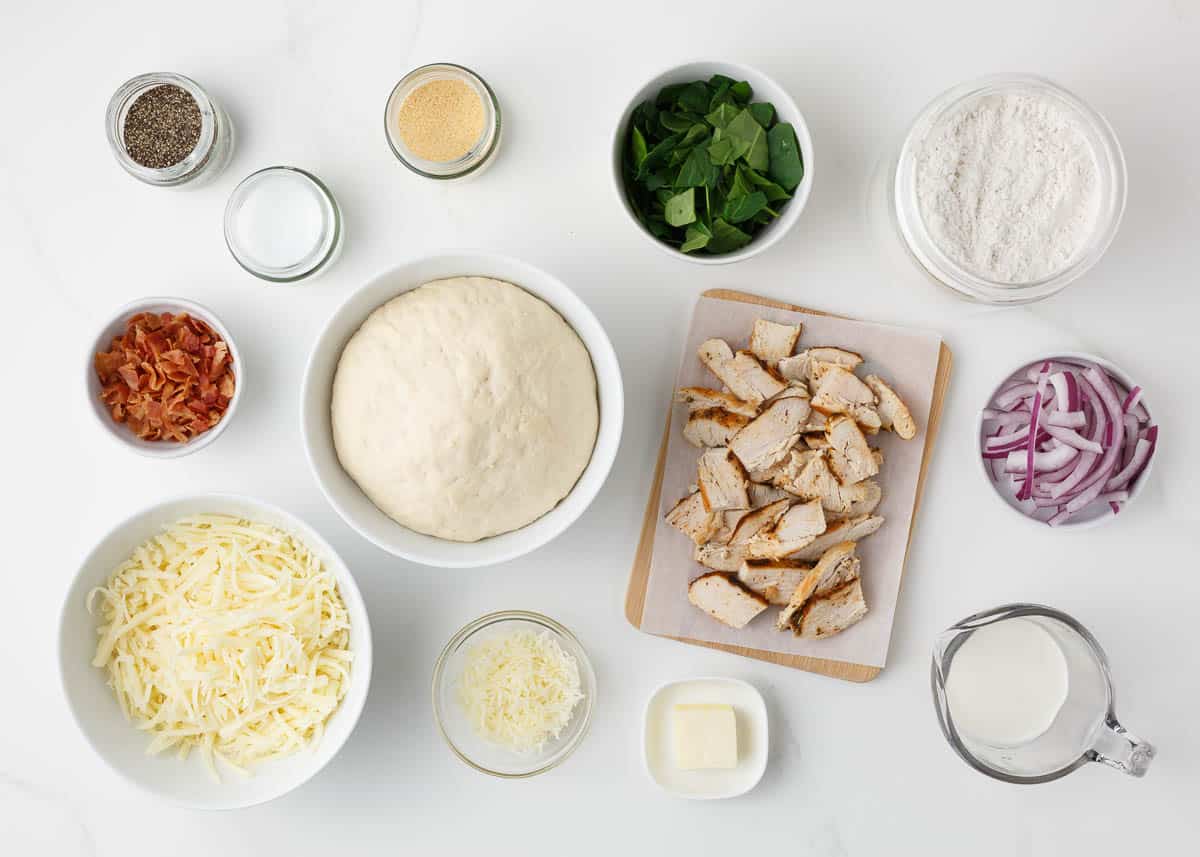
(1007, 682)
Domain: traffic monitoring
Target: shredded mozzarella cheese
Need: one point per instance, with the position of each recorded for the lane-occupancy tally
(225, 635)
(519, 690)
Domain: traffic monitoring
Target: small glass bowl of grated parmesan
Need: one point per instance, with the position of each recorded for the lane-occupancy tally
(513, 694)
(1008, 188)
(442, 121)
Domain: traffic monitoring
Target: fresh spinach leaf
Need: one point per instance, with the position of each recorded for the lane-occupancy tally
(786, 167)
(721, 116)
(656, 180)
(695, 135)
(675, 121)
(696, 238)
(726, 237)
(638, 147)
(694, 97)
(743, 127)
(698, 170)
(681, 208)
(762, 112)
(741, 91)
(743, 207)
(773, 192)
(658, 155)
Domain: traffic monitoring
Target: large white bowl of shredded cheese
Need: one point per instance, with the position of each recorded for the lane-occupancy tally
(210, 635)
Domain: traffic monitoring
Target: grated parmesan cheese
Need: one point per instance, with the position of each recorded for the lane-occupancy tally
(519, 690)
(224, 635)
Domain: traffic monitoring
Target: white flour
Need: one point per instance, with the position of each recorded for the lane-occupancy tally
(1007, 187)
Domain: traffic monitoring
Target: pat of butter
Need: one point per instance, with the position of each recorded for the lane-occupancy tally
(705, 737)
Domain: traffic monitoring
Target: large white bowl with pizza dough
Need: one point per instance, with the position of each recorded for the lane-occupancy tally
(349, 500)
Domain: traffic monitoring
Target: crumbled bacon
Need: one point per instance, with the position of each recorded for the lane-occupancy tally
(168, 377)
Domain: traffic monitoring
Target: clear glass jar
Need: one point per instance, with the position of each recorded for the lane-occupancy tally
(282, 224)
(206, 160)
(478, 156)
(1111, 180)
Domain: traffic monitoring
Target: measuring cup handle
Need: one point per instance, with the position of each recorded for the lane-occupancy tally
(1119, 748)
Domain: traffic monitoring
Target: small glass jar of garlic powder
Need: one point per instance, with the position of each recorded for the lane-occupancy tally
(443, 121)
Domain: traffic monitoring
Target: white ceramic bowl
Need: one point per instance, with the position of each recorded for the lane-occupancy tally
(1093, 515)
(750, 713)
(92, 703)
(121, 432)
(765, 89)
(348, 499)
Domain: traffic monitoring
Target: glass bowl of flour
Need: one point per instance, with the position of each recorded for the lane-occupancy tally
(1008, 188)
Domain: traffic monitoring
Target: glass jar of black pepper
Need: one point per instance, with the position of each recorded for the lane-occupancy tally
(165, 130)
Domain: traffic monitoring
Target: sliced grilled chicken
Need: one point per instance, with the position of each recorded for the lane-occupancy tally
(754, 377)
(700, 398)
(773, 579)
(771, 342)
(850, 457)
(833, 613)
(796, 529)
(816, 441)
(816, 423)
(713, 427)
(767, 439)
(718, 357)
(722, 480)
(755, 522)
(803, 365)
(761, 495)
(693, 520)
(783, 474)
(837, 566)
(727, 522)
(893, 413)
(728, 558)
(849, 530)
(724, 600)
(868, 495)
(841, 392)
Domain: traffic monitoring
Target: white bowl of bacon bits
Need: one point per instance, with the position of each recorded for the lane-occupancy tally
(1068, 440)
(164, 377)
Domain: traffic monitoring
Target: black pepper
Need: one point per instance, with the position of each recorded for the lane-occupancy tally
(162, 127)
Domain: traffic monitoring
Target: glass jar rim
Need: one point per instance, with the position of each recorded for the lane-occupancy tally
(477, 156)
(118, 108)
(1110, 160)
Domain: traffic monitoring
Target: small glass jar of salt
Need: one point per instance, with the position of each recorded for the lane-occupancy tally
(282, 224)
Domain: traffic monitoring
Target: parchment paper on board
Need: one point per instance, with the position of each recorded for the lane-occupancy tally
(905, 358)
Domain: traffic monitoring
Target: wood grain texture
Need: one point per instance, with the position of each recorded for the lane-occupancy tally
(639, 576)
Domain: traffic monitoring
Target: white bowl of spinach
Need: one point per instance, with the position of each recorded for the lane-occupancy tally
(713, 161)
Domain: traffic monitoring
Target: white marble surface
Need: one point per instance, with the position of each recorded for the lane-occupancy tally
(854, 770)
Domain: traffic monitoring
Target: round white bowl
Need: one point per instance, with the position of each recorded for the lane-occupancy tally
(765, 89)
(349, 500)
(1093, 515)
(187, 783)
(120, 432)
(459, 732)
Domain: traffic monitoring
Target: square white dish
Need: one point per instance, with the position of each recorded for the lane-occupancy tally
(750, 712)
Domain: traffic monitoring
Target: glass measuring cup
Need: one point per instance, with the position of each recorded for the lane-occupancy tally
(1085, 728)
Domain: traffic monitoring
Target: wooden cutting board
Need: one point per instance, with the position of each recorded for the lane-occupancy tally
(639, 576)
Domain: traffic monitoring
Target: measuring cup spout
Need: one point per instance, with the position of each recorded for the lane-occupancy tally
(1119, 748)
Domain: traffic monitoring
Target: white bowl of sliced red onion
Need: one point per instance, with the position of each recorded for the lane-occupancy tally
(1067, 440)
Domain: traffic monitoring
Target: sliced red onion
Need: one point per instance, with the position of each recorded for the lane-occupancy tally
(1066, 419)
(1071, 437)
(1042, 462)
